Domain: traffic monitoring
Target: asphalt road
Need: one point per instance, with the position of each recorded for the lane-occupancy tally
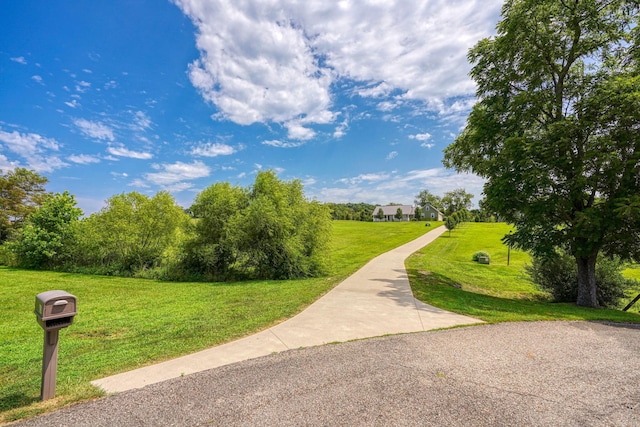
(512, 374)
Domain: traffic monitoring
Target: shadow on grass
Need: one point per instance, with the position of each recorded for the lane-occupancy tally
(442, 292)
(16, 400)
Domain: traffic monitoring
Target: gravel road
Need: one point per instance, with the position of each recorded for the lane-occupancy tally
(511, 374)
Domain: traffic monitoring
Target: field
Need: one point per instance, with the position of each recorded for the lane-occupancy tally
(444, 275)
(127, 323)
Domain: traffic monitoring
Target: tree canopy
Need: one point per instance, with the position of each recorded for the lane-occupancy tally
(556, 131)
(21, 192)
(351, 211)
(48, 233)
(425, 197)
(130, 233)
(268, 231)
(456, 200)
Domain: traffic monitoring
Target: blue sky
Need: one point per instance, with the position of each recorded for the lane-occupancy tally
(355, 99)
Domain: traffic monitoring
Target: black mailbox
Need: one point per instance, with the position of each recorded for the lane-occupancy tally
(55, 309)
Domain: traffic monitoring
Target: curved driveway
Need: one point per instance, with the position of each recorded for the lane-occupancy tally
(374, 301)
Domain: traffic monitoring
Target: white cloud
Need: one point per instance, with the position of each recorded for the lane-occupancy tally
(6, 164)
(387, 106)
(369, 177)
(19, 60)
(392, 155)
(376, 91)
(297, 130)
(307, 182)
(141, 121)
(178, 187)
(27, 144)
(139, 183)
(212, 149)
(34, 148)
(427, 145)
(399, 187)
(46, 163)
(172, 174)
(277, 61)
(73, 103)
(82, 86)
(341, 129)
(421, 136)
(83, 159)
(122, 151)
(37, 79)
(94, 130)
(280, 144)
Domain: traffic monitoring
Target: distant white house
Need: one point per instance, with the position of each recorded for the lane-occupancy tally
(389, 213)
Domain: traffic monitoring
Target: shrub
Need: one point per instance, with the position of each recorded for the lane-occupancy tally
(268, 231)
(558, 275)
(130, 234)
(6, 256)
(480, 254)
(46, 239)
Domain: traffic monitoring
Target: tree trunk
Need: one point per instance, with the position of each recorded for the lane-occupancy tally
(587, 296)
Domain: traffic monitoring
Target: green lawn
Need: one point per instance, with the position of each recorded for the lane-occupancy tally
(127, 323)
(633, 272)
(443, 275)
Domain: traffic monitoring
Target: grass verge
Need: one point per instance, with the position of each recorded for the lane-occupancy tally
(443, 275)
(126, 323)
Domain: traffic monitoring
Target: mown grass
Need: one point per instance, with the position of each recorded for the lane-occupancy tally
(443, 275)
(633, 272)
(127, 323)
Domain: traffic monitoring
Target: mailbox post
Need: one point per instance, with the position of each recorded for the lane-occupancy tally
(54, 310)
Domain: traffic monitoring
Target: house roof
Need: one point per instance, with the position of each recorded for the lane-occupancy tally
(391, 210)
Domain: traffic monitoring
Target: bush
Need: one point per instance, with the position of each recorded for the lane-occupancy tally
(558, 275)
(480, 254)
(268, 231)
(131, 234)
(46, 239)
(6, 256)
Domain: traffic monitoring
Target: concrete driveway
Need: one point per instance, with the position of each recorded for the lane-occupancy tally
(375, 301)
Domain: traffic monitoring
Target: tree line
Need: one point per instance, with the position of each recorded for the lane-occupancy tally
(266, 231)
(351, 211)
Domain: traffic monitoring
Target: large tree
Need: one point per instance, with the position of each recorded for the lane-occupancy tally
(131, 232)
(425, 197)
(48, 235)
(280, 234)
(21, 192)
(556, 131)
(211, 251)
(268, 231)
(456, 200)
